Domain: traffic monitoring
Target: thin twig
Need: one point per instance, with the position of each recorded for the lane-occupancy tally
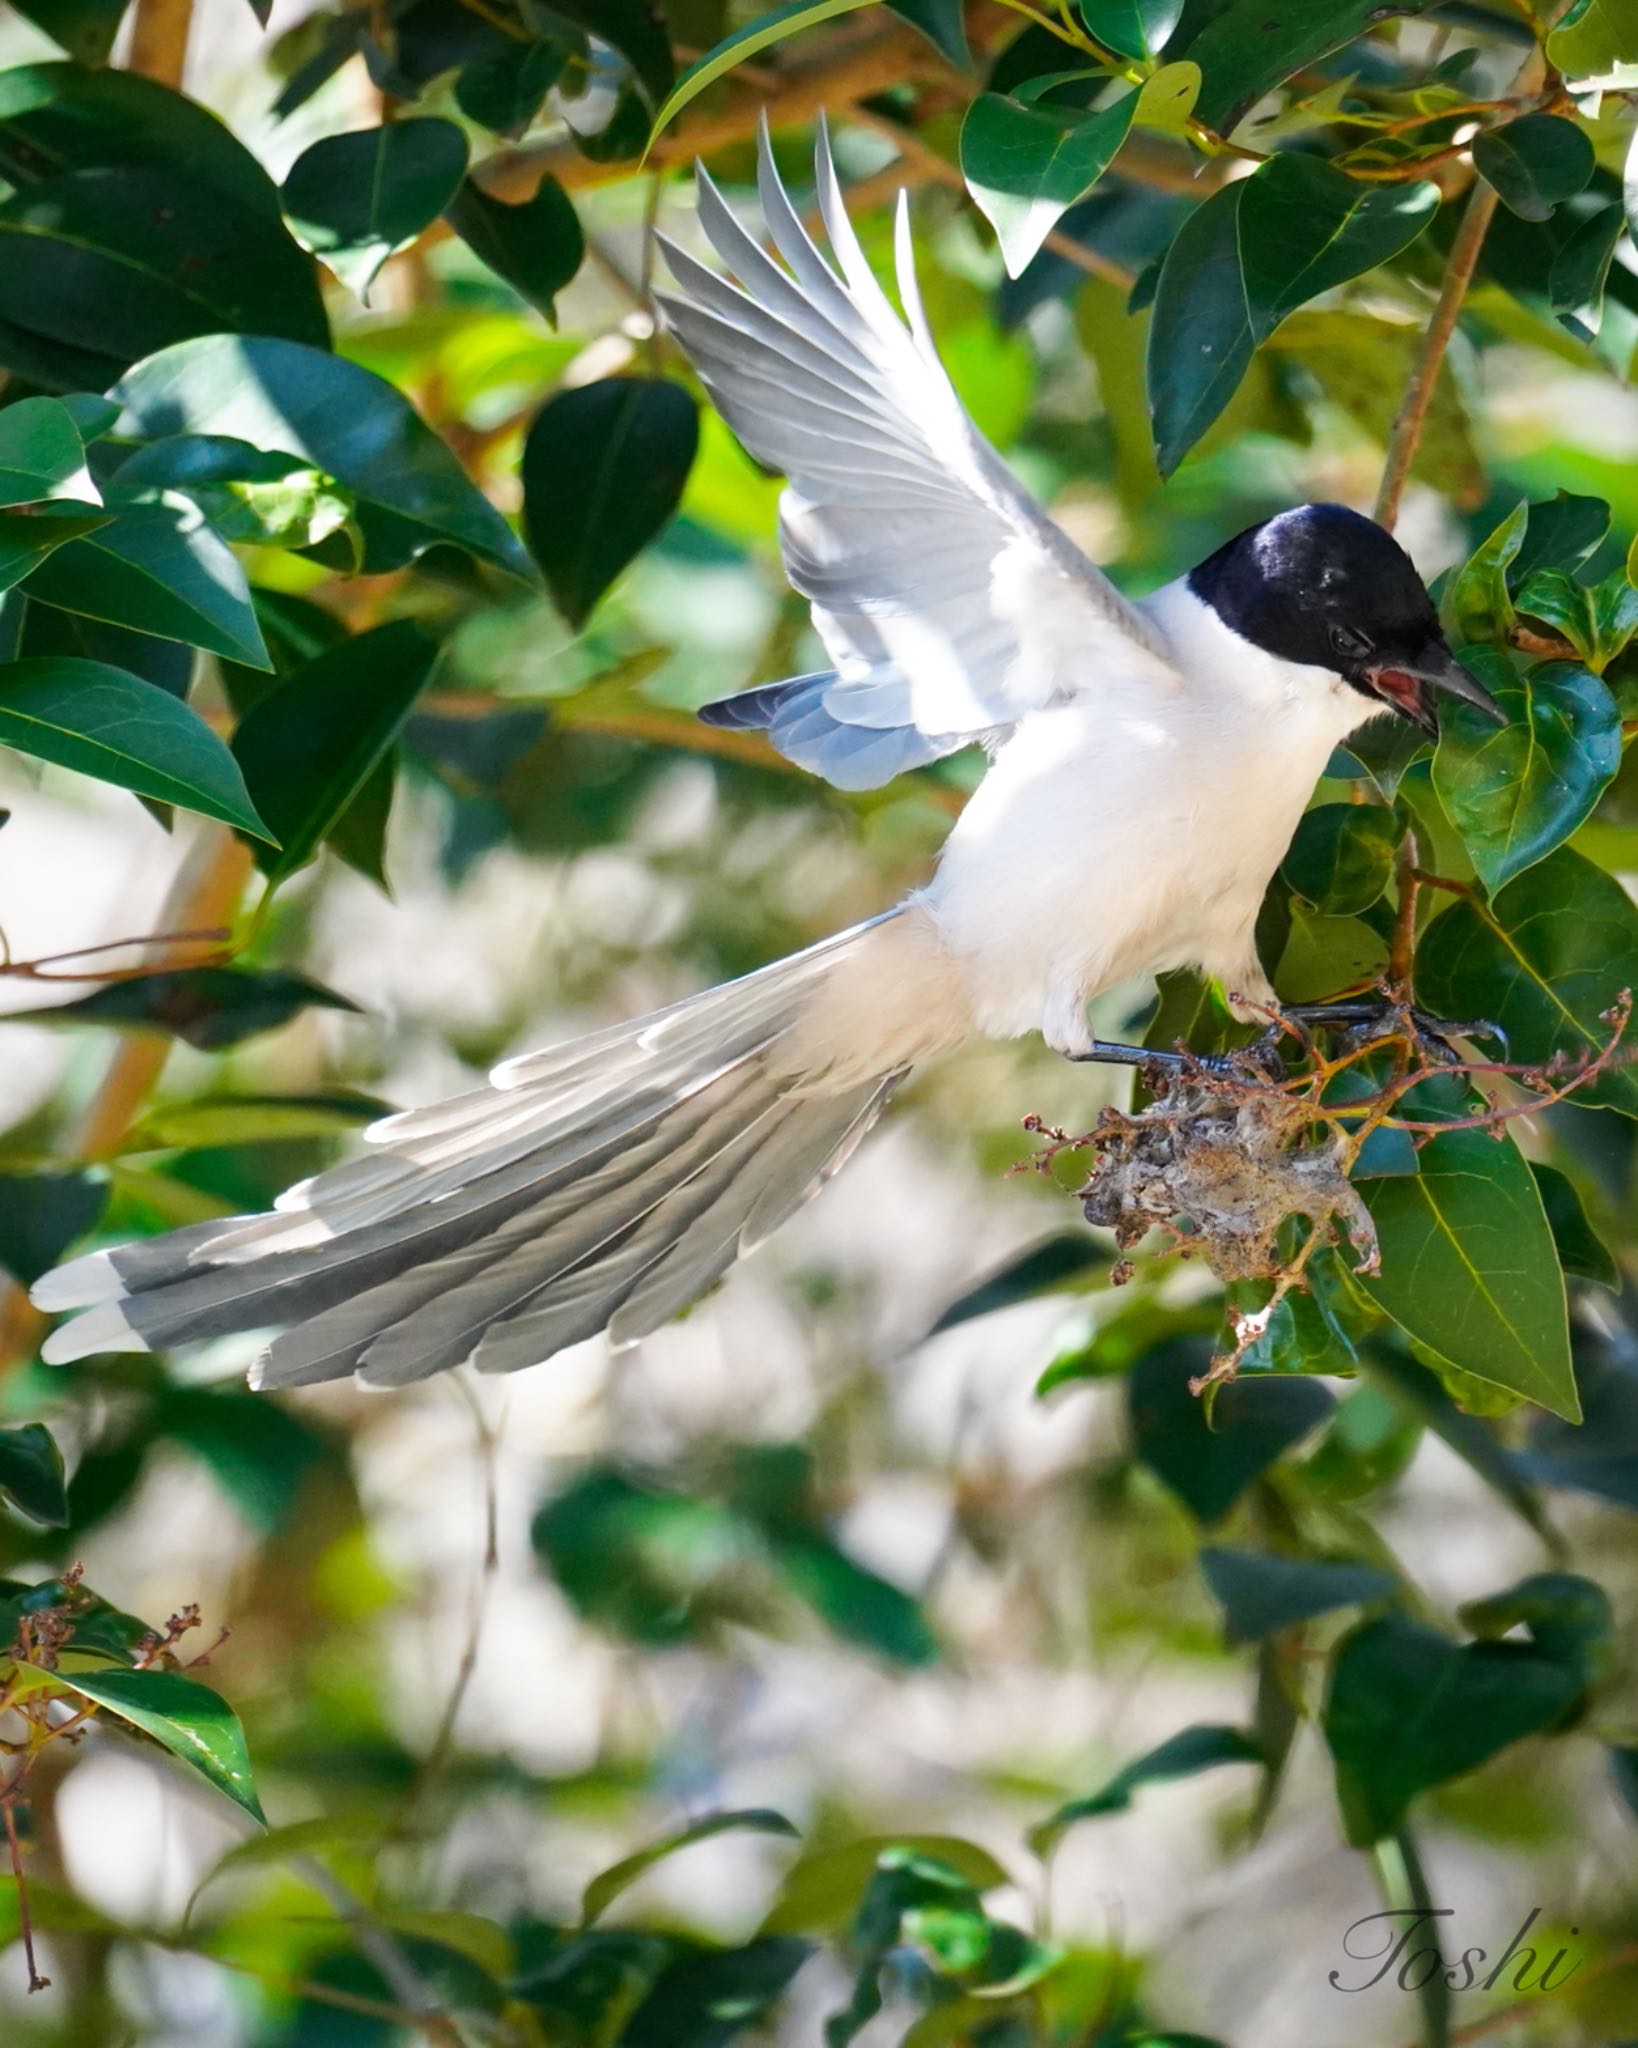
(25, 1923)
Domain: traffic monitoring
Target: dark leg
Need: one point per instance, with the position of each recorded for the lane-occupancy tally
(1367, 1018)
(1108, 1053)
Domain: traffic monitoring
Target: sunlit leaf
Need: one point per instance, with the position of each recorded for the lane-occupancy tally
(42, 455)
(1025, 165)
(104, 723)
(354, 199)
(757, 35)
(1248, 47)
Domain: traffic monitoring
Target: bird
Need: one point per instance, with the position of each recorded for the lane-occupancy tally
(1149, 761)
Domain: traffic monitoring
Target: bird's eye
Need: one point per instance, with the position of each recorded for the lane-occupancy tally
(1346, 641)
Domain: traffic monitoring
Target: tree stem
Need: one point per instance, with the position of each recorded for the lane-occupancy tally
(1430, 355)
(159, 40)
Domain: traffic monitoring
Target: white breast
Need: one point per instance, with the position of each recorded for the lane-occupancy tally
(1135, 828)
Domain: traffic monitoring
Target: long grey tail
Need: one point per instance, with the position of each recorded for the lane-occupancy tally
(599, 1184)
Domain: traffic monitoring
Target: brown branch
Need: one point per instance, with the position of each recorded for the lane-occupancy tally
(25, 1923)
(159, 40)
(1406, 435)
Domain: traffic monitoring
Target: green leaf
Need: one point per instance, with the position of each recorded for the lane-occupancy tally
(41, 1214)
(267, 500)
(1534, 162)
(608, 1884)
(1562, 532)
(821, 1890)
(26, 538)
(1184, 1755)
(207, 1007)
(760, 34)
(1545, 959)
(1565, 1616)
(1581, 1251)
(1515, 792)
(354, 199)
(1261, 1594)
(1138, 29)
(1593, 38)
(61, 117)
(1469, 1268)
(1061, 1265)
(84, 29)
(1025, 165)
(236, 1120)
(180, 1714)
(1341, 860)
(31, 1474)
(102, 722)
(1575, 285)
(1209, 1464)
(312, 743)
(1409, 1709)
(535, 246)
(1325, 956)
(1246, 257)
(503, 91)
(636, 30)
(944, 25)
(343, 419)
(1599, 620)
(158, 570)
(1251, 46)
(603, 469)
(42, 455)
(1479, 606)
(123, 260)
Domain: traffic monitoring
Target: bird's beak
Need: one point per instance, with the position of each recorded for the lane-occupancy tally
(1409, 686)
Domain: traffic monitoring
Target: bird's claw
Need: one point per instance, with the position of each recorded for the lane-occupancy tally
(1368, 1021)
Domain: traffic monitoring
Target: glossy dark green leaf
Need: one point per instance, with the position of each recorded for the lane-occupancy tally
(1409, 1709)
(265, 500)
(31, 1474)
(1025, 165)
(1599, 620)
(1250, 46)
(707, 1998)
(1545, 959)
(60, 117)
(27, 538)
(1062, 1265)
(124, 260)
(1534, 162)
(1184, 1755)
(1593, 37)
(1208, 1465)
(354, 199)
(207, 1007)
(1515, 792)
(167, 664)
(1261, 1593)
(607, 1885)
(310, 746)
(1479, 605)
(102, 722)
(1253, 252)
(1469, 1267)
(504, 91)
(341, 418)
(1565, 1616)
(636, 30)
(183, 1716)
(943, 23)
(42, 455)
(41, 1214)
(603, 468)
(1575, 286)
(1561, 532)
(1342, 857)
(83, 29)
(156, 570)
(1581, 1251)
(1137, 29)
(535, 245)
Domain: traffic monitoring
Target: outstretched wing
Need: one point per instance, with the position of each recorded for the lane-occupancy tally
(948, 601)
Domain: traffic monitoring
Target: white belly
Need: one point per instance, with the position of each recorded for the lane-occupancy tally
(1122, 837)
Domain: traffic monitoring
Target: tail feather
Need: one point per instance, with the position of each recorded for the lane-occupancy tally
(606, 1181)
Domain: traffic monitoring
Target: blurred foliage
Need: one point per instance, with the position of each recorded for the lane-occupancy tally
(350, 499)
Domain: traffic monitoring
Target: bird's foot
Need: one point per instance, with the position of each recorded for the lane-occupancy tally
(1367, 1020)
(1107, 1052)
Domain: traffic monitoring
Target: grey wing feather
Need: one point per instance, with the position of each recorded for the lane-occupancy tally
(947, 600)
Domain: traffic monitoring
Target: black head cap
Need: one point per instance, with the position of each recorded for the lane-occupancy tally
(1330, 588)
